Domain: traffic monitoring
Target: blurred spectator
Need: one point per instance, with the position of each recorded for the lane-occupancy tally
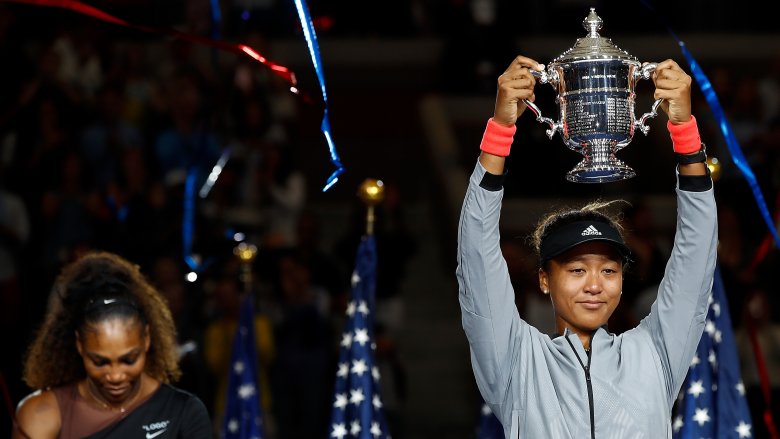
(187, 144)
(304, 369)
(324, 268)
(131, 68)
(70, 212)
(80, 63)
(186, 308)
(104, 140)
(14, 235)
(477, 43)
(146, 220)
(282, 190)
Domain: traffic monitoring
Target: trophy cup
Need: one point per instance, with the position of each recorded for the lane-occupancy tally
(595, 83)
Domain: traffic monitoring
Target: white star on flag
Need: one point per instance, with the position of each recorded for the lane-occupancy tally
(355, 278)
(361, 336)
(701, 416)
(709, 327)
(678, 423)
(351, 309)
(343, 370)
(713, 359)
(696, 389)
(375, 430)
(376, 402)
(695, 360)
(233, 425)
(375, 373)
(246, 391)
(339, 431)
(341, 401)
(363, 308)
(238, 367)
(356, 396)
(359, 367)
(354, 428)
(346, 339)
(740, 388)
(743, 429)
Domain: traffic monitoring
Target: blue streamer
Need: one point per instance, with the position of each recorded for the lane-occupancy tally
(314, 51)
(216, 19)
(188, 218)
(731, 140)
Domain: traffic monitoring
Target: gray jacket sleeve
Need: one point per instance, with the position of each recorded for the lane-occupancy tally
(489, 315)
(676, 319)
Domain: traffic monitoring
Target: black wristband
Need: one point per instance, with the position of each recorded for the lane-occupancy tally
(697, 157)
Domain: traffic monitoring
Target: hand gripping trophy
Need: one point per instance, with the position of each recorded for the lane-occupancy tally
(595, 83)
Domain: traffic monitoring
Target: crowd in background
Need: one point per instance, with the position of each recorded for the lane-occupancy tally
(101, 131)
(103, 143)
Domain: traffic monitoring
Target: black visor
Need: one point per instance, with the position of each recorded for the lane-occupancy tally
(571, 235)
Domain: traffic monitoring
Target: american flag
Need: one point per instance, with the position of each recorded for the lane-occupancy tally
(712, 400)
(357, 406)
(243, 418)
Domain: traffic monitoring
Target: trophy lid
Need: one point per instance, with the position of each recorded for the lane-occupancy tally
(593, 46)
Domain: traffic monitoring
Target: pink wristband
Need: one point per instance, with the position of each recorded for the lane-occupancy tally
(497, 139)
(685, 137)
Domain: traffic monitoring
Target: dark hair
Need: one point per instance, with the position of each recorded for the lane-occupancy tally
(602, 211)
(98, 287)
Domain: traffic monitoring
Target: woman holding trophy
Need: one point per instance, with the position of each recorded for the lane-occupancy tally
(584, 381)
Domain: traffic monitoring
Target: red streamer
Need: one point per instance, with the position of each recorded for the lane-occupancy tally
(239, 49)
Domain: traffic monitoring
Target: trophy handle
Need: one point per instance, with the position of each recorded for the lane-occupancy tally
(644, 73)
(544, 78)
(640, 123)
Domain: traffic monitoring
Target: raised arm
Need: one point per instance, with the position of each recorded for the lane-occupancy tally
(490, 317)
(514, 85)
(676, 320)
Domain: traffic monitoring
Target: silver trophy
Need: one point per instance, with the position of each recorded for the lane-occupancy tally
(595, 82)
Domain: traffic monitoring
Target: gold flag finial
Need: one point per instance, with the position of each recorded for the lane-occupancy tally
(372, 192)
(246, 253)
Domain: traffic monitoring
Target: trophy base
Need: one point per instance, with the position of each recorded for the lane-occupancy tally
(587, 172)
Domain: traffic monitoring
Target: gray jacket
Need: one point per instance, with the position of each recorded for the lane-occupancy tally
(537, 385)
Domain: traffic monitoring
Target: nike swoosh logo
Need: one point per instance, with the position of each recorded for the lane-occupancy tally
(155, 434)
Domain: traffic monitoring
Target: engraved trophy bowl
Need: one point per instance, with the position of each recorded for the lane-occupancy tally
(595, 82)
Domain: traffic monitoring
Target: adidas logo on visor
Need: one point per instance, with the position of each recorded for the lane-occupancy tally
(590, 231)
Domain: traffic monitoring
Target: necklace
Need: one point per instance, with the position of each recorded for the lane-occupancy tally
(106, 406)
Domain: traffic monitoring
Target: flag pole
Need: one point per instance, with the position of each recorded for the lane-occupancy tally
(246, 253)
(243, 416)
(372, 192)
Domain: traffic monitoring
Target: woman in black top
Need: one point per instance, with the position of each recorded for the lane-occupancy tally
(103, 360)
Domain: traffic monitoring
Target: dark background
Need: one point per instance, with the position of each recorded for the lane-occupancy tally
(383, 63)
